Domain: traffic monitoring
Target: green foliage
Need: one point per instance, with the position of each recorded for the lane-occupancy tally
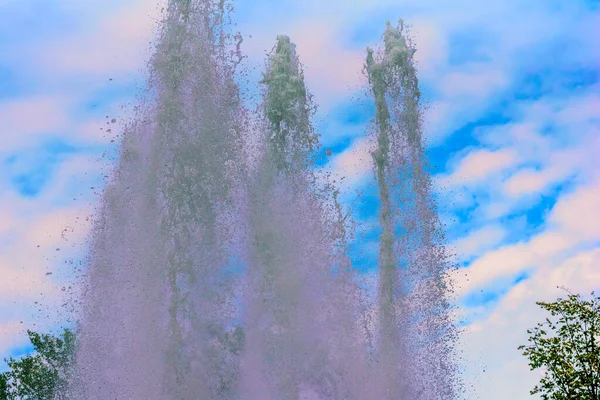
(4, 387)
(43, 374)
(566, 347)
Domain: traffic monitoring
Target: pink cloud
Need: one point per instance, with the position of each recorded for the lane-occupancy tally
(118, 43)
(578, 213)
(480, 164)
(482, 239)
(353, 166)
(25, 119)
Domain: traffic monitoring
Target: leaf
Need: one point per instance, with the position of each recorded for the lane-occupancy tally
(568, 349)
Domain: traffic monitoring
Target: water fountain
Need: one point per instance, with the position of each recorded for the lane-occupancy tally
(219, 264)
(413, 304)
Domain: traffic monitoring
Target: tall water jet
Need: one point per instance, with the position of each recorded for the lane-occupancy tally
(290, 334)
(415, 330)
(158, 305)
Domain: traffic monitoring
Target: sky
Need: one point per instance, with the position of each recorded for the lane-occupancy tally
(512, 123)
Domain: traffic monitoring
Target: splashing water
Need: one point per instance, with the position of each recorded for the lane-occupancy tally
(413, 304)
(219, 266)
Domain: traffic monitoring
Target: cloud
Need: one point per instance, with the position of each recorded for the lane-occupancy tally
(118, 43)
(351, 167)
(79, 178)
(36, 247)
(332, 70)
(36, 265)
(38, 252)
(536, 154)
(561, 253)
(37, 236)
(558, 167)
(478, 165)
(40, 235)
(28, 122)
(11, 334)
(24, 284)
(569, 225)
(432, 47)
(496, 338)
(7, 221)
(479, 240)
(25, 119)
(530, 181)
(578, 213)
(582, 109)
(475, 82)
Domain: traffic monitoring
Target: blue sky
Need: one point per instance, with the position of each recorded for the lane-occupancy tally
(513, 126)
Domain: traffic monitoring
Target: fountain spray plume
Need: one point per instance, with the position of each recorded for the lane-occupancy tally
(416, 333)
(158, 306)
(293, 328)
(186, 225)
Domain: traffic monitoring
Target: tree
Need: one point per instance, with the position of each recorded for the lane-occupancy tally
(43, 374)
(566, 347)
(4, 387)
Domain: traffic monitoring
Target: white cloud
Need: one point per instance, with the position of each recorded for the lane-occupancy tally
(33, 268)
(432, 47)
(578, 213)
(530, 181)
(571, 223)
(32, 252)
(519, 161)
(436, 118)
(25, 119)
(478, 165)
(24, 283)
(116, 44)
(558, 255)
(495, 339)
(351, 167)
(495, 264)
(7, 221)
(474, 82)
(479, 240)
(584, 108)
(332, 70)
